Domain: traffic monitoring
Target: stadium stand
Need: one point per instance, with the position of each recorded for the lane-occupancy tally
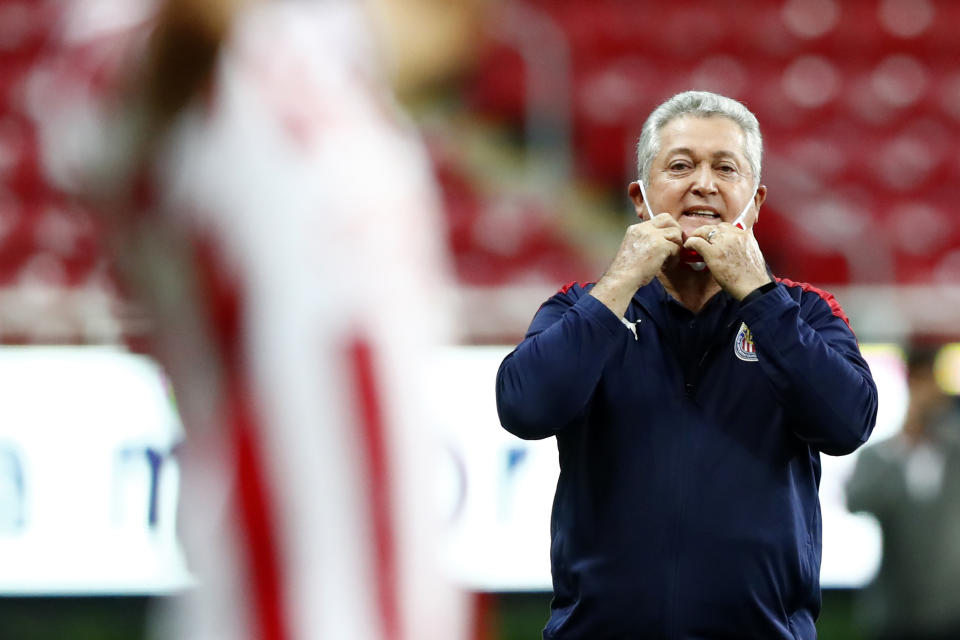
(859, 100)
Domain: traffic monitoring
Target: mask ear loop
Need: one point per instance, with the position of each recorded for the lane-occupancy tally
(646, 202)
(738, 223)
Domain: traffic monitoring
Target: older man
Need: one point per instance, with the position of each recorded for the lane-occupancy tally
(691, 394)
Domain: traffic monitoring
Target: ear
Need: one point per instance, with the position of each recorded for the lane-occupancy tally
(633, 190)
(758, 200)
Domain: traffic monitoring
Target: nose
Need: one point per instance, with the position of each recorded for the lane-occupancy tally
(703, 180)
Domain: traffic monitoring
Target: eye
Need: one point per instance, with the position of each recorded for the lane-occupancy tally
(727, 168)
(679, 165)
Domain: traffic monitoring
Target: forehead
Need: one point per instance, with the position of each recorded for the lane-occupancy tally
(708, 136)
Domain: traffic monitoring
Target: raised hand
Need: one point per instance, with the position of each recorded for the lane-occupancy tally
(733, 256)
(646, 246)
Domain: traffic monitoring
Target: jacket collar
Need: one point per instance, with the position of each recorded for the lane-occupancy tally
(653, 299)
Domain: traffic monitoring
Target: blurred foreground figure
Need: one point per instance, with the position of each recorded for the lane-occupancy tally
(911, 484)
(284, 235)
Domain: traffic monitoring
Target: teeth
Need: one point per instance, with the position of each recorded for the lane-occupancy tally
(697, 212)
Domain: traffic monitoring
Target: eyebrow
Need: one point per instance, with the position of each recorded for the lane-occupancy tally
(718, 154)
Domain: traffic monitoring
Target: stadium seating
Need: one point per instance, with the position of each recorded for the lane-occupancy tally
(859, 100)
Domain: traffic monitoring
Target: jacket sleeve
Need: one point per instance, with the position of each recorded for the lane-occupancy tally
(810, 355)
(548, 380)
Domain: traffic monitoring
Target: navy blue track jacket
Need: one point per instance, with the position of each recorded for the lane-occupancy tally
(687, 501)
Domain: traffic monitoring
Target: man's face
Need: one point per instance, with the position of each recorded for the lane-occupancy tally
(701, 175)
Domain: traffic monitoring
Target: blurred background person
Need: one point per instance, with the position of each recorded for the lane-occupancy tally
(911, 484)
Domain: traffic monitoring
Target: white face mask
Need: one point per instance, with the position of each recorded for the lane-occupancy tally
(693, 259)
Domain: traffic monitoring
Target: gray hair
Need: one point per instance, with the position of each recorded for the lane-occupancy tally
(703, 104)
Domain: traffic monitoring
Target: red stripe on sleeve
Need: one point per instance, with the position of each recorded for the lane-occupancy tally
(373, 428)
(570, 285)
(826, 296)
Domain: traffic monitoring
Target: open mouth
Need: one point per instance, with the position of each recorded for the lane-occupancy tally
(701, 213)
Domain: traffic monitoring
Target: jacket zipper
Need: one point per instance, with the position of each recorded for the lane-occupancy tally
(690, 388)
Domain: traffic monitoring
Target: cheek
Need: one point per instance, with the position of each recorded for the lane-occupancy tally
(670, 200)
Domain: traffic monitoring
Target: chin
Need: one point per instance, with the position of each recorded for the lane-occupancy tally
(689, 226)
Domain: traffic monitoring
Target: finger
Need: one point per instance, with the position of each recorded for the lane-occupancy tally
(674, 234)
(698, 244)
(664, 220)
(727, 228)
(702, 232)
(673, 247)
(705, 235)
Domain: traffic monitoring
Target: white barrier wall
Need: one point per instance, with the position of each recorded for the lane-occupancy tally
(89, 476)
(88, 473)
